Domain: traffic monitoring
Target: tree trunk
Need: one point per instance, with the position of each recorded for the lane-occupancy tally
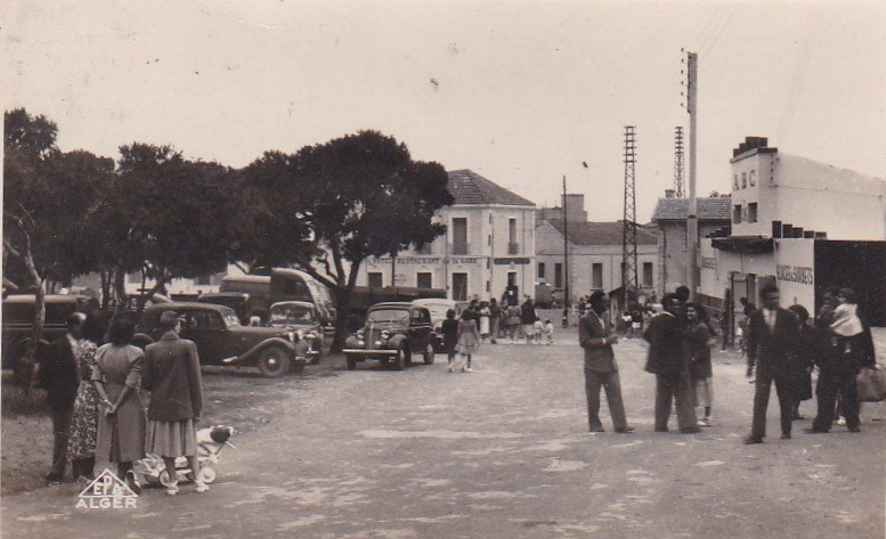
(342, 314)
(106, 276)
(122, 301)
(25, 365)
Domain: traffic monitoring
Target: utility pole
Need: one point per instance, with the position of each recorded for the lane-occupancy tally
(678, 162)
(692, 217)
(565, 260)
(629, 228)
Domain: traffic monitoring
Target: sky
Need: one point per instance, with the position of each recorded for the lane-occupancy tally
(520, 92)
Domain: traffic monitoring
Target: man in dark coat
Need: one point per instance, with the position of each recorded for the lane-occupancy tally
(668, 360)
(772, 340)
(58, 371)
(596, 337)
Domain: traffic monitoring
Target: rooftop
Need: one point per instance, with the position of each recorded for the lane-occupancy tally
(603, 233)
(468, 187)
(677, 209)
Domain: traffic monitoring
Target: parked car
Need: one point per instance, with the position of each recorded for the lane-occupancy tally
(438, 308)
(18, 322)
(392, 334)
(222, 340)
(300, 317)
(241, 302)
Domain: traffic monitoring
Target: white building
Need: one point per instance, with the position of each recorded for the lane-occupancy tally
(489, 243)
(803, 225)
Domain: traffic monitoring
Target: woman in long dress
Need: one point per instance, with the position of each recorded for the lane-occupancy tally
(117, 378)
(81, 446)
(468, 340)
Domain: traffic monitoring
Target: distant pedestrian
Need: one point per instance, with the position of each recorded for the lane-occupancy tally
(549, 332)
(513, 323)
(528, 318)
(805, 357)
(495, 315)
(698, 341)
(450, 336)
(771, 338)
(668, 361)
(484, 316)
(468, 341)
(172, 375)
(601, 370)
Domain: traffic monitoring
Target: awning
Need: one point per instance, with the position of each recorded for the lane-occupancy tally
(744, 244)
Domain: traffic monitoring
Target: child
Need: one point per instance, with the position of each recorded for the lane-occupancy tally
(450, 335)
(549, 332)
(538, 329)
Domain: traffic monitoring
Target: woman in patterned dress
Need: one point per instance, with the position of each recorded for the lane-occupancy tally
(84, 425)
(468, 340)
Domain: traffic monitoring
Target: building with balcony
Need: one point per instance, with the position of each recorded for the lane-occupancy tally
(489, 243)
(804, 225)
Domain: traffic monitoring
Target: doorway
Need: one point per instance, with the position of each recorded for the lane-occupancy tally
(460, 286)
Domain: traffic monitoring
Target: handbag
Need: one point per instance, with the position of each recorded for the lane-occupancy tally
(871, 383)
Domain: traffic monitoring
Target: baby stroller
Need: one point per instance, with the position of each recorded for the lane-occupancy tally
(152, 471)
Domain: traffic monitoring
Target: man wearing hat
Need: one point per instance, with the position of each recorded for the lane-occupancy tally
(172, 375)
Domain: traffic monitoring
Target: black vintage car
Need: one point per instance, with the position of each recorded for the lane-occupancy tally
(222, 340)
(393, 332)
(18, 322)
(302, 318)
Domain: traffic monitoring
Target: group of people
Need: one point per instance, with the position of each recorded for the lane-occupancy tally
(96, 392)
(783, 347)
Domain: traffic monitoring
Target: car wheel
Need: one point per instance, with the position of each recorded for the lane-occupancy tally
(402, 358)
(352, 362)
(273, 362)
(429, 354)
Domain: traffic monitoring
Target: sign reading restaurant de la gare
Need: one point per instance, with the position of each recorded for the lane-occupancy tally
(795, 274)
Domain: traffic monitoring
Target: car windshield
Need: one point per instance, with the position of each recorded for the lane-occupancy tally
(438, 310)
(292, 314)
(389, 316)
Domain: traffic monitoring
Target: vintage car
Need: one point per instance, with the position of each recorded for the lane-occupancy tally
(438, 307)
(300, 317)
(18, 321)
(392, 334)
(222, 340)
(241, 303)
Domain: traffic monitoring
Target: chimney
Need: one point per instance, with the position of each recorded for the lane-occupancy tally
(669, 193)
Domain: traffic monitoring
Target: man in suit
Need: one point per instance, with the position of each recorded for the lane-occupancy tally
(772, 339)
(601, 370)
(668, 361)
(58, 371)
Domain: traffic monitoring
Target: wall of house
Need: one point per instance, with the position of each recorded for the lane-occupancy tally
(673, 252)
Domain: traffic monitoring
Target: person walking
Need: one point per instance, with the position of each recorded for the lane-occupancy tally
(772, 339)
(495, 315)
(58, 371)
(450, 336)
(698, 338)
(513, 323)
(172, 375)
(468, 340)
(484, 316)
(596, 337)
(84, 422)
(668, 362)
(117, 378)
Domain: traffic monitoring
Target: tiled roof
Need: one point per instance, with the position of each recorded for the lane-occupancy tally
(677, 209)
(468, 187)
(603, 233)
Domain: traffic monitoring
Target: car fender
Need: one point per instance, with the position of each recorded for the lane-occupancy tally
(397, 341)
(252, 355)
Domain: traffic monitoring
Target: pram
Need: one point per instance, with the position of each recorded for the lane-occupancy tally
(152, 471)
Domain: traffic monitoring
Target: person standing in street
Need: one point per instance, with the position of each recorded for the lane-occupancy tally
(601, 370)
(484, 315)
(772, 340)
(468, 340)
(698, 347)
(84, 422)
(58, 371)
(668, 362)
(172, 375)
(450, 336)
(805, 358)
(527, 319)
(494, 320)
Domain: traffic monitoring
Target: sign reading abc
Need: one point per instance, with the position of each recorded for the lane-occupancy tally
(795, 274)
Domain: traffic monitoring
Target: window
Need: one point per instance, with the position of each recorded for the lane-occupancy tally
(647, 273)
(512, 278)
(375, 279)
(735, 182)
(423, 279)
(597, 276)
(460, 236)
(752, 178)
(512, 230)
(541, 271)
(460, 286)
(744, 180)
(558, 275)
(736, 214)
(752, 212)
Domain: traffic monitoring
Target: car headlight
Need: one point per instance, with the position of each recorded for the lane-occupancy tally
(385, 335)
(300, 333)
(291, 336)
(310, 335)
(359, 334)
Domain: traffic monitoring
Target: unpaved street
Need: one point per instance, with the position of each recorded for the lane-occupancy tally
(501, 452)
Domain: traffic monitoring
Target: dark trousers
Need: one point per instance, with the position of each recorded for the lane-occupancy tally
(671, 390)
(610, 382)
(785, 392)
(61, 432)
(83, 467)
(830, 386)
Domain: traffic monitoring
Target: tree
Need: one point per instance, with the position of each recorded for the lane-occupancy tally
(50, 196)
(361, 195)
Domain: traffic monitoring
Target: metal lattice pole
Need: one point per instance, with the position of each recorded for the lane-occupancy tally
(629, 230)
(678, 162)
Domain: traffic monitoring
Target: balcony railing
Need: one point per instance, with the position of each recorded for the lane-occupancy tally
(459, 248)
(513, 248)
